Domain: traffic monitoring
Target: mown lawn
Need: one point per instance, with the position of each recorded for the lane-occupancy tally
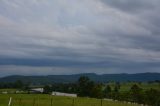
(48, 100)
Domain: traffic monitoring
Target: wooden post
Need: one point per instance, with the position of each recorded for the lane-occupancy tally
(51, 101)
(34, 102)
(10, 101)
(20, 102)
(73, 102)
(38, 102)
(101, 102)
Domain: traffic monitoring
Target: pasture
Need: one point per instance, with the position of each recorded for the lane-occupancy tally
(126, 86)
(48, 100)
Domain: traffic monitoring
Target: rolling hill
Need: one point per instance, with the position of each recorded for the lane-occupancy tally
(143, 77)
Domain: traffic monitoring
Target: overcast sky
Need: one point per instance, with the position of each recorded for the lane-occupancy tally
(44, 37)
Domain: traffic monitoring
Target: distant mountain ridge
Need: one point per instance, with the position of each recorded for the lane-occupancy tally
(143, 77)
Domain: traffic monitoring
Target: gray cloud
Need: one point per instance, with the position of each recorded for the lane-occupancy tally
(101, 36)
(132, 6)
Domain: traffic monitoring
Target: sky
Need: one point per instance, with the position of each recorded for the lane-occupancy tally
(50, 37)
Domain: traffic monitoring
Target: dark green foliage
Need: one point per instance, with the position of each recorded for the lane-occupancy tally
(107, 91)
(47, 89)
(96, 91)
(88, 88)
(67, 88)
(19, 84)
(84, 85)
(136, 94)
(153, 97)
(116, 89)
(118, 85)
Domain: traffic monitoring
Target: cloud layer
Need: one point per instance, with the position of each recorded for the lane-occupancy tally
(64, 37)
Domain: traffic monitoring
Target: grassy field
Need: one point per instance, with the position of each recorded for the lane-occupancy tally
(145, 86)
(48, 100)
(8, 90)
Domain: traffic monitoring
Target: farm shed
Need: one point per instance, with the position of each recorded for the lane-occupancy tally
(36, 90)
(63, 94)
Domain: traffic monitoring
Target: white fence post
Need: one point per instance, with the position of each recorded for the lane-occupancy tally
(10, 100)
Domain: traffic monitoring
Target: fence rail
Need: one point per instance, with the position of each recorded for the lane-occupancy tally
(59, 101)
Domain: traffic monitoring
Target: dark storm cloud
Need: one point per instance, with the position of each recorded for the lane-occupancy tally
(132, 6)
(59, 37)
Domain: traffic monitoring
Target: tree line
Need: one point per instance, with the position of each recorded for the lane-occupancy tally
(17, 85)
(85, 87)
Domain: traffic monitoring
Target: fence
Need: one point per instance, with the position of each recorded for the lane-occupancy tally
(44, 100)
(53, 102)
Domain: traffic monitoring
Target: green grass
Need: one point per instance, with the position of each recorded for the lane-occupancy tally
(8, 90)
(145, 86)
(45, 100)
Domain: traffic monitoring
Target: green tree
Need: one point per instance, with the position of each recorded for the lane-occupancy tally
(153, 97)
(19, 84)
(47, 89)
(115, 93)
(116, 89)
(84, 85)
(96, 91)
(107, 91)
(136, 94)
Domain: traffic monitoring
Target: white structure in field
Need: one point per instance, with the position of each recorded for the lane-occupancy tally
(37, 90)
(63, 94)
(5, 92)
